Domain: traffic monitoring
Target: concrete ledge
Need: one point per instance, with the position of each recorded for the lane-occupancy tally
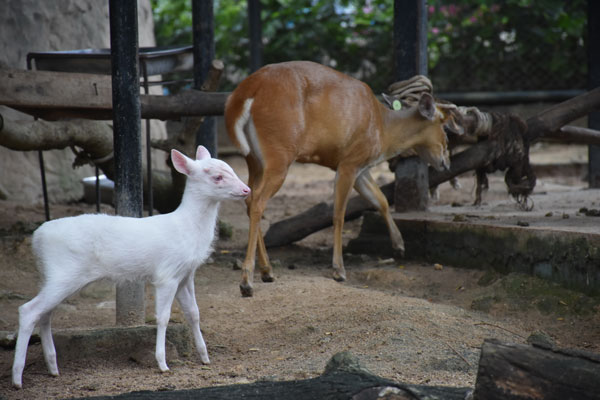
(136, 343)
(564, 250)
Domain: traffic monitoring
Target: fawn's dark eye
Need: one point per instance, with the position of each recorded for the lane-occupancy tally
(218, 178)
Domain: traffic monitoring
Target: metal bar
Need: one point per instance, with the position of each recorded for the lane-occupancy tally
(493, 98)
(127, 140)
(256, 46)
(98, 193)
(149, 192)
(204, 52)
(593, 46)
(42, 167)
(410, 58)
(44, 187)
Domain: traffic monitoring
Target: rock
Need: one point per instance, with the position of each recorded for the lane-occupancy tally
(236, 265)
(345, 362)
(542, 339)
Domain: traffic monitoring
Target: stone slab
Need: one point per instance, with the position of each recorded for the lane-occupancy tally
(558, 240)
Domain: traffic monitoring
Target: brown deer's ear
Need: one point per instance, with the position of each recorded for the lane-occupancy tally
(427, 106)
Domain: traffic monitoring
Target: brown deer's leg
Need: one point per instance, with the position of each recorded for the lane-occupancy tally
(365, 185)
(266, 270)
(264, 184)
(344, 181)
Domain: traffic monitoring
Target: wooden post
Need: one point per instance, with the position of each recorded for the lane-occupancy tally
(593, 46)
(203, 27)
(127, 140)
(411, 190)
(410, 56)
(256, 47)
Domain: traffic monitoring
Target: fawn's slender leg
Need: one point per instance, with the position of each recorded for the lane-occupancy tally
(165, 294)
(186, 296)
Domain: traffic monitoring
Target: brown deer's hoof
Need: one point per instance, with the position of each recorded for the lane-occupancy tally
(246, 290)
(340, 277)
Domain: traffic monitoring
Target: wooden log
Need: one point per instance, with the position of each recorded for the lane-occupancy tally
(519, 372)
(188, 103)
(412, 185)
(55, 95)
(45, 89)
(344, 378)
(316, 218)
(553, 118)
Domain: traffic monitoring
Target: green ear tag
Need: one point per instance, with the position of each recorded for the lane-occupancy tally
(396, 105)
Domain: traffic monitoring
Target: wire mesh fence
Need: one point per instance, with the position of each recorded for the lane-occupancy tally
(509, 45)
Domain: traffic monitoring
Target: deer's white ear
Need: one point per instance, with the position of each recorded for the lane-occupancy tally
(202, 153)
(427, 106)
(180, 162)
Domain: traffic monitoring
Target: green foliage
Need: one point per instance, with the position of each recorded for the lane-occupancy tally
(472, 44)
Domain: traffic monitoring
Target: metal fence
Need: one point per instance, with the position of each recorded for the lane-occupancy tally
(507, 45)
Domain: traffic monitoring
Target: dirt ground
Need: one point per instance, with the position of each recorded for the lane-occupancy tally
(406, 321)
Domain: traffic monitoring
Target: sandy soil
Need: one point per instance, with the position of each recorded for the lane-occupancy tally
(406, 321)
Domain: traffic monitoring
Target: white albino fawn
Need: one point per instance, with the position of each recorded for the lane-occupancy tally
(306, 112)
(165, 249)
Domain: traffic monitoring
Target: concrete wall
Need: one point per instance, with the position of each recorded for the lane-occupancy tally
(51, 25)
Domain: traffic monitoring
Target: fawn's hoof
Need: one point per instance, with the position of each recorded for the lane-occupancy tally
(398, 253)
(246, 290)
(267, 278)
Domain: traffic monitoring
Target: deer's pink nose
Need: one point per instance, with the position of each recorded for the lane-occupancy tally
(246, 191)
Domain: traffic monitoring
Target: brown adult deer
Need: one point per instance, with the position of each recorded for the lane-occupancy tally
(306, 112)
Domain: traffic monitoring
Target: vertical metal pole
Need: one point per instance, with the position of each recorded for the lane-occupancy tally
(410, 58)
(98, 192)
(44, 185)
(203, 28)
(410, 38)
(256, 46)
(42, 166)
(127, 139)
(149, 189)
(593, 48)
